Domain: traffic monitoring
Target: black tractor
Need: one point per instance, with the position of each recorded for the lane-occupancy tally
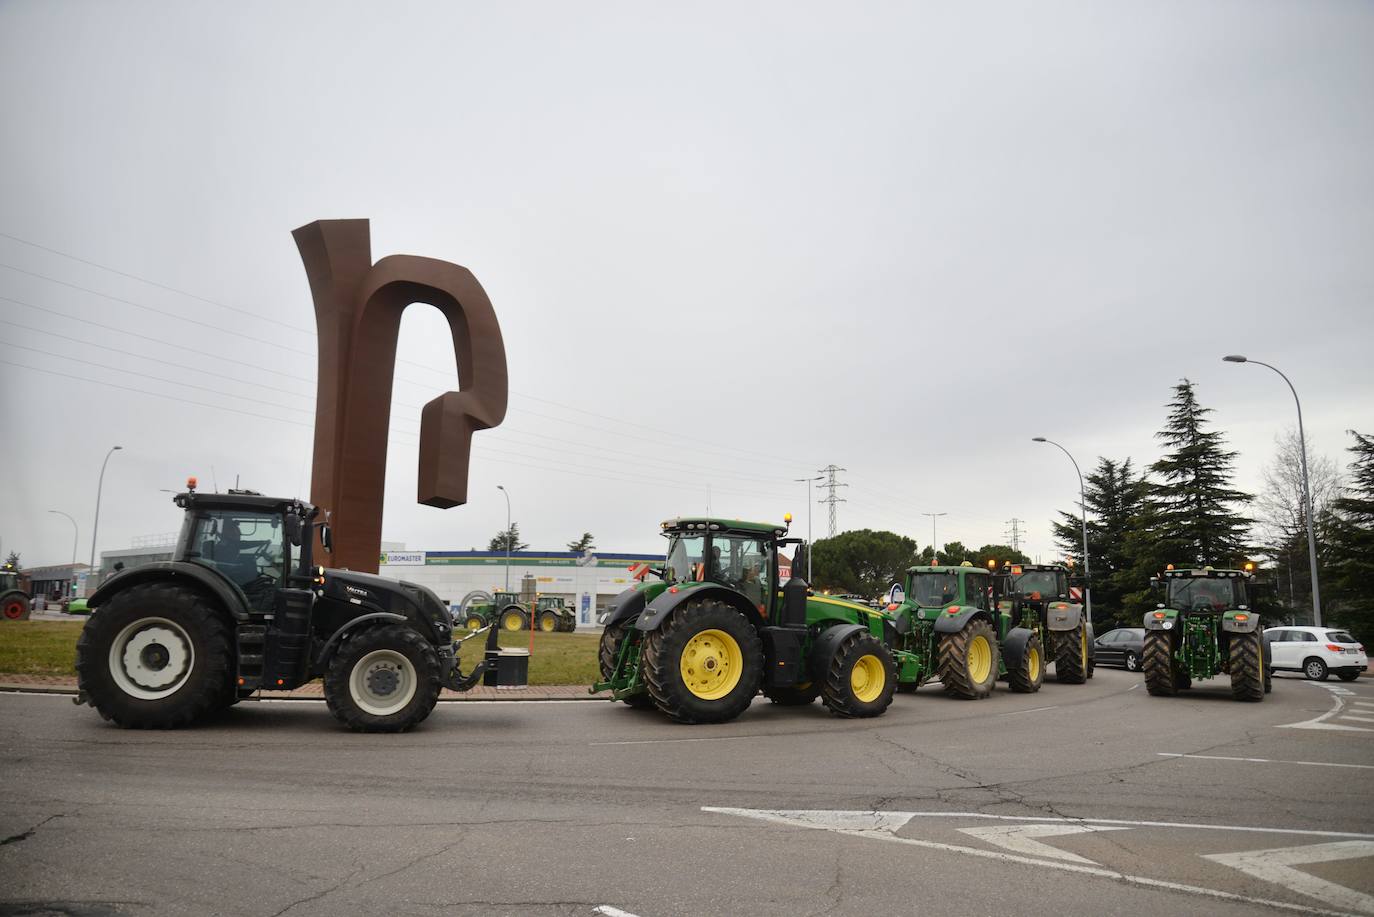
(241, 608)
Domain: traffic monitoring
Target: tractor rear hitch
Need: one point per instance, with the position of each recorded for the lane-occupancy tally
(455, 679)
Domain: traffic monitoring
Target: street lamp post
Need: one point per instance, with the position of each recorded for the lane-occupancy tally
(506, 494)
(1083, 508)
(95, 527)
(1306, 488)
(819, 477)
(934, 551)
(59, 512)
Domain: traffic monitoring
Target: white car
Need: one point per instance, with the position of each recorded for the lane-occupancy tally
(1315, 652)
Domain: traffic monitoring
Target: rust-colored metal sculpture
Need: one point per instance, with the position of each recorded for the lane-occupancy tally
(358, 308)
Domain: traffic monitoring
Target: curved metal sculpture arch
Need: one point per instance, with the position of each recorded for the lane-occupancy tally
(358, 308)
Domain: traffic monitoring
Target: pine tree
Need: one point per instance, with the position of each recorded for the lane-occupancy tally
(1197, 515)
(586, 542)
(1116, 498)
(12, 562)
(512, 538)
(1349, 596)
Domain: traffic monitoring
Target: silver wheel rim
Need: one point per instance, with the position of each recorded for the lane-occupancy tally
(382, 682)
(151, 658)
(1131, 663)
(1314, 670)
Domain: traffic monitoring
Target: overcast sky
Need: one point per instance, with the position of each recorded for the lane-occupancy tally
(728, 245)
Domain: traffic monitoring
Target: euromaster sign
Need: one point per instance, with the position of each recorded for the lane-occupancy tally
(404, 558)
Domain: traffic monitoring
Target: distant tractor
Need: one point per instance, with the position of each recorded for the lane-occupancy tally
(501, 608)
(1039, 597)
(241, 607)
(704, 633)
(1206, 626)
(950, 627)
(552, 614)
(14, 602)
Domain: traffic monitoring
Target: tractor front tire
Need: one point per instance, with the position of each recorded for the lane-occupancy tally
(608, 651)
(1247, 667)
(1158, 663)
(968, 661)
(860, 678)
(704, 663)
(475, 622)
(15, 607)
(1071, 655)
(156, 656)
(799, 696)
(513, 618)
(1030, 674)
(384, 679)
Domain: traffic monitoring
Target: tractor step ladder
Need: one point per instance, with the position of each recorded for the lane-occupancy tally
(252, 640)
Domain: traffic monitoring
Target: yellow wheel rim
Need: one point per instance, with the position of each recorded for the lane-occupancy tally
(1033, 663)
(867, 679)
(979, 659)
(711, 664)
(474, 623)
(547, 625)
(1083, 646)
(511, 622)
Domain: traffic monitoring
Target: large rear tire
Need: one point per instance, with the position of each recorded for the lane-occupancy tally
(860, 678)
(513, 618)
(968, 661)
(1070, 655)
(15, 607)
(384, 679)
(1030, 674)
(1247, 667)
(548, 622)
(155, 656)
(704, 663)
(608, 651)
(1158, 663)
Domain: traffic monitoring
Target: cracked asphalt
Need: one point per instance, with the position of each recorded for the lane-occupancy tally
(559, 808)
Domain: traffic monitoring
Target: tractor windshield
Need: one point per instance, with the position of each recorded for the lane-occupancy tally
(1038, 584)
(933, 589)
(247, 547)
(1205, 593)
(740, 562)
(686, 559)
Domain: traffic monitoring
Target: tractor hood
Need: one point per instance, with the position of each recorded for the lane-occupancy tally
(377, 593)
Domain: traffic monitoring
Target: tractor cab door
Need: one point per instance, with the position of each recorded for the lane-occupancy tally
(745, 564)
(247, 547)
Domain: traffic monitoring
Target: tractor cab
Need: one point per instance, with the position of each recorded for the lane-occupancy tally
(742, 556)
(933, 589)
(1038, 583)
(1206, 590)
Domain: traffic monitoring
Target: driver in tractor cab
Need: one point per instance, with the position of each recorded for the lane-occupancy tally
(228, 557)
(1207, 594)
(750, 584)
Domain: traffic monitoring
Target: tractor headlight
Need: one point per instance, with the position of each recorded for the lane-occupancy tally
(1168, 625)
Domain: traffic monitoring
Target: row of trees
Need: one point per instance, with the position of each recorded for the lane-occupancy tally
(866, 562)
(1184, 510)
(511, 537)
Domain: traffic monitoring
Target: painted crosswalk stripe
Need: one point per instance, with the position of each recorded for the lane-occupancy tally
(1167, 754)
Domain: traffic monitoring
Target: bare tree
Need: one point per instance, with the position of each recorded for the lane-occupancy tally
(1280, 508)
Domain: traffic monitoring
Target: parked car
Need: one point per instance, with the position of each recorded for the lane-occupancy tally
(1122, 646)
(1315, 652)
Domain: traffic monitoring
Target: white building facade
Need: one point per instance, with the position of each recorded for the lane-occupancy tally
(586, 582)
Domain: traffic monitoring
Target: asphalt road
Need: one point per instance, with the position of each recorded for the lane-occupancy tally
(1074, 800)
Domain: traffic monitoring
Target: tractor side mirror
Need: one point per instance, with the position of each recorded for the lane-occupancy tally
(327, 537)
(799, 561)
(1155, 583)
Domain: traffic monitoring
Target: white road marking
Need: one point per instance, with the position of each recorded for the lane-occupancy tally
(1320, 722)
(1358, 719)
(1031, 710)
(1363, 703)
(1277, 866)
(1133, 687)
(1022, 838)
(840, 823)
(609, 911)
(1167, 754)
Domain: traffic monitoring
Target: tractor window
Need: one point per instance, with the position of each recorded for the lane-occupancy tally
(1205, 593)
(976, 591)
(931, 589)
(740, 563)
(686, 559)
(1047, 583)
(247, 548)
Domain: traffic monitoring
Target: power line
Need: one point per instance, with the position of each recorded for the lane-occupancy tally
(830, 484)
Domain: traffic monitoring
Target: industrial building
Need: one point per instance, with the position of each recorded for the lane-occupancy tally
(586, 581)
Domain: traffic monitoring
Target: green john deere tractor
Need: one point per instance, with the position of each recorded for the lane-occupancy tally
(498, 607)
(553, 615)
(713, 626)
(14, 602)
(1206, 626)
(948, 627)
(1039, 599)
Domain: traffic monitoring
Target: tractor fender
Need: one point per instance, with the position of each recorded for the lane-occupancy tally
(657, 611)
(625, 606)
(826, 644)
(953, 623)
(1168, 618)
(1231, 625)
(333, 642)
(1014, 647)
(181, 572)
(1063, 616)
